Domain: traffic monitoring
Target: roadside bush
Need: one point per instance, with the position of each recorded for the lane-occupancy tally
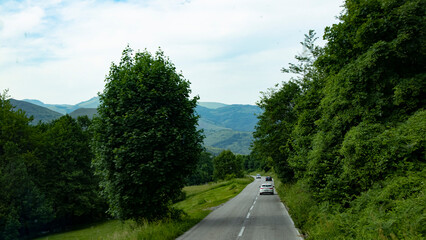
(393, 209)
(302, 206)
(371, 152)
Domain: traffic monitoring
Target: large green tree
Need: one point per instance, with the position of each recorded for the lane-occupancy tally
(227, 165)
(145, 139)
(273, 130)
(285, 128)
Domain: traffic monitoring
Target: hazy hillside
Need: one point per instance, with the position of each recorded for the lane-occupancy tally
(39, 113)
(66, 108)
(60, 108)
(207, 124)
(236, 117)
(212, 105)
(91, 103)
(90, 112)
(237, 142)
(225, 126)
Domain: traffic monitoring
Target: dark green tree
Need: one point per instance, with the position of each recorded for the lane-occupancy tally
(284, 130)
(24, 209)
(69, 180)
(203, 172)
(251, 163)
(375, 74)
(227, 165)
(357, 125)
(273, 131)
(145, 139)
(311, 81)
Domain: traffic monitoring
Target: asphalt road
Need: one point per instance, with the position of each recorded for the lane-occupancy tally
(247, 216)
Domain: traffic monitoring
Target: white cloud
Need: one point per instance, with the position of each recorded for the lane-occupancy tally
(60, 51)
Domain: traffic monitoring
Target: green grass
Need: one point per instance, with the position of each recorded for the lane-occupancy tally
(198, 204)
(92, 232)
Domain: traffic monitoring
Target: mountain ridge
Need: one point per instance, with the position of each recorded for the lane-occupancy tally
(226, 126)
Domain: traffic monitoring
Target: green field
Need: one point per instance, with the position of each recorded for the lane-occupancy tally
(199, 202)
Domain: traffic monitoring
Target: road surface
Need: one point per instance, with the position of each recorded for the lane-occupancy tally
(247, 216)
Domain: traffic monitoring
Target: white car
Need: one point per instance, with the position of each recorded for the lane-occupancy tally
(258, 176)
(266, 188)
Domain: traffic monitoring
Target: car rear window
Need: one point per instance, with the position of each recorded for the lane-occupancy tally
(266, 185)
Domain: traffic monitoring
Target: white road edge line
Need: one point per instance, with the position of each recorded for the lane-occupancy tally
(251, 207)
(241, 232)
(297, 230)
(291, 220)
(248, 215)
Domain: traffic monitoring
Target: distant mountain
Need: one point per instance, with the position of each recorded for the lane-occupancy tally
(39, 113)
(225, 126)
(66, 108)
(91, 103)
(236, 117)
(237, 142)
(60, 108)
(90, 112)
(212, 105)
(228, 127)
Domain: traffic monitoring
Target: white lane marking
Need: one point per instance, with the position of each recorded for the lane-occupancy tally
(241, 232)
(248, 216)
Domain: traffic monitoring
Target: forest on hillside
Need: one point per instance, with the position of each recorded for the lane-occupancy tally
(347, 134)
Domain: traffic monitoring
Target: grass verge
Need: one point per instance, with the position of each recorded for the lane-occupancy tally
(200, 201)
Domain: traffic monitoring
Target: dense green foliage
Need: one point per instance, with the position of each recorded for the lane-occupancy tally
(203, 172)
(352, 122)
(19, 193)
(45, 175)
(68, 180)
(146, 137)
(391, 209)
(227, 165)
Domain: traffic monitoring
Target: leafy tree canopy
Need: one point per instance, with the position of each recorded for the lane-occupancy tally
(203, 172)
(146, 140)
(227, 165)
(23, 207)
(368, 79)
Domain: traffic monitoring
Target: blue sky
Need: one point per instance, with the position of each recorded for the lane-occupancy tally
(59, 51)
